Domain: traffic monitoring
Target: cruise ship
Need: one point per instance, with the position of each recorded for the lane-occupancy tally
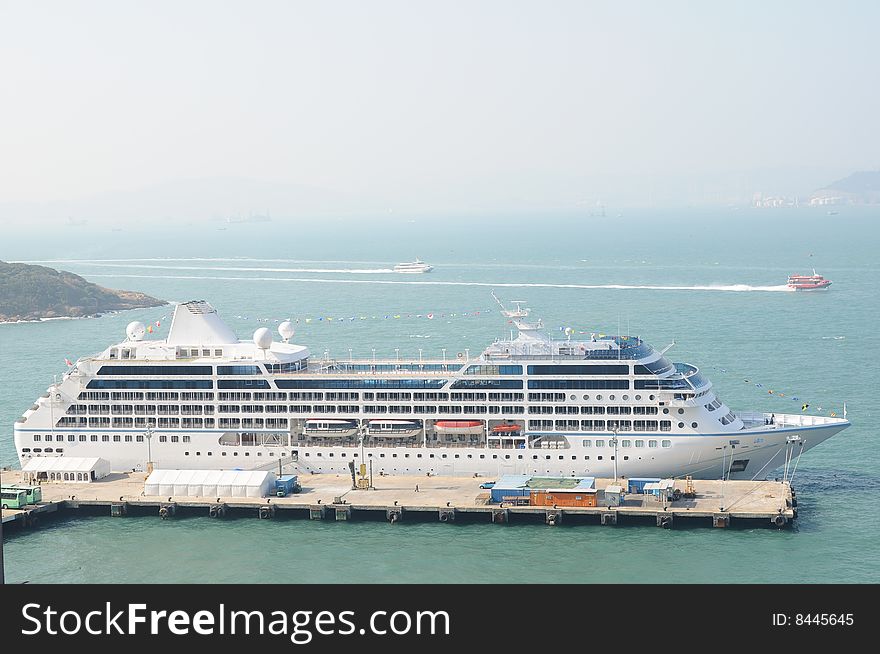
(203, 398)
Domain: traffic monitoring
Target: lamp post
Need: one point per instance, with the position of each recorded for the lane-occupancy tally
(149, 437)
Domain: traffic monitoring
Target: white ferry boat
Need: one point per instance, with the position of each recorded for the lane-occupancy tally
(417, 266)
(202, 398)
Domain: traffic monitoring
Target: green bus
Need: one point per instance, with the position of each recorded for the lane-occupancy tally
(13, 498)
(34, 493)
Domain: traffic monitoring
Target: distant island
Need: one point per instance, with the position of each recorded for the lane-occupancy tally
(30, 292)
(858, 188)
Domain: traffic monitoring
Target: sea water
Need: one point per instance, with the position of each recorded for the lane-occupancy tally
(712, 281)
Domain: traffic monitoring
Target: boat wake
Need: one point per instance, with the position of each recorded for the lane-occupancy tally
(354, 271)
(738, 288)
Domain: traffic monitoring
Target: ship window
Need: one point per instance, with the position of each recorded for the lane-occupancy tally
(128, 439)
(610, 397)
(37, 438)
(629, 443)
(666, 443)
(586, 397)
(186, 453)
(105, 438)
(598, 397)
(48, 449)
(694, 425)
(37, 449)
(652, 443)
(640, 443)
(547, 457)
(681, 425)
(482, 456)
(588, 443)
(599, 458)
(600, 443)
(25, 449)
(665, 411)
(93, 438)
(139, 438)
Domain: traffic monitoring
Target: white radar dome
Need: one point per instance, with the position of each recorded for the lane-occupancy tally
(135, 330)
(263, 338)
(286, 330)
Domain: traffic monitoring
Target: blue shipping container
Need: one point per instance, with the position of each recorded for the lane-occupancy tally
(499, 493)
(637, 484)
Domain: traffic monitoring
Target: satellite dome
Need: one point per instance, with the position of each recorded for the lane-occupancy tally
(263, 338)
(286, 330)
(135, 330)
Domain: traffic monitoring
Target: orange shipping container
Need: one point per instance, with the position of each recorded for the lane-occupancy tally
(562, 498)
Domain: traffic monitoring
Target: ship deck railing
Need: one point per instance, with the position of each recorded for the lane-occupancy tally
(772, 420)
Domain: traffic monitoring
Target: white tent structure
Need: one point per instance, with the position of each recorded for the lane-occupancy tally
(210, 483)
(80, 470)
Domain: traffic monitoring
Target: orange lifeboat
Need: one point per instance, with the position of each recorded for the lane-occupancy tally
(459, 426)
(506, 429)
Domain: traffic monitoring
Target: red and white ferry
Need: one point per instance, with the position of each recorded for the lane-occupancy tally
(812, 282)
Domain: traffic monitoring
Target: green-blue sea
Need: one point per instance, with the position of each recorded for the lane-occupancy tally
(711, 280)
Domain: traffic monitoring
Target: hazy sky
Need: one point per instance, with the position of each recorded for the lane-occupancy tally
(434, 104)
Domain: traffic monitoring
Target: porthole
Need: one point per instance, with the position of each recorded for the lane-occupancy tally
(650, 397)
(572, 397)
(586, 397)
(598, 397)
(694, 425)
(681, 412)
(681, 425)
(610, 397)
(626, 397)
(638, 397)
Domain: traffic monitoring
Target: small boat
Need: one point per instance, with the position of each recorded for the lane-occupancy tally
(812, 282)
(330, 428)
(384, 428)
(459, 426)
(417, 266)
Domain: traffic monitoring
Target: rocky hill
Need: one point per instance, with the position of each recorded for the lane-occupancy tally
(858, 188)
(30, 292)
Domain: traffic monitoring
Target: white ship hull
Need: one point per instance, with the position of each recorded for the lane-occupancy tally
(701, 456)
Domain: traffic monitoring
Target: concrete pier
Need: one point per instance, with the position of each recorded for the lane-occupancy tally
(447, 499)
